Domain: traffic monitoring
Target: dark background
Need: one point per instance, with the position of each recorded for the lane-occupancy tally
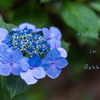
(71, 17)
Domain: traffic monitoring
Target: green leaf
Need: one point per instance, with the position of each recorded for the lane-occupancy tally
(80, 18)
(65, 45)
(4, 93)
(8, 26)
(95, 5)
(42, 1)
(16, 85)
(1, 21)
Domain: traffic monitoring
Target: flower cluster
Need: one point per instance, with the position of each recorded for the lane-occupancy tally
(31, 52)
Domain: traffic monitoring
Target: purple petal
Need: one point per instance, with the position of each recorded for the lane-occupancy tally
(28, 25)
(61, 62)
(55, 33)
(46, 63)
(63, 52)
(16, 55)
(6, 58)
(46, 33)
(37, 30)
(35, 61)
(53, 54)
(2, 49)
(38, 72)
(3, 33)
(24, 63)
(15, 29)
(5, 69)
(54, 43)
(28, 78)
(16, 68)
(53, 72)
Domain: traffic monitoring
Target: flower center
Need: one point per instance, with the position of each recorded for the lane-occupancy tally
(11, 63)
(28, 42)
(52, 62)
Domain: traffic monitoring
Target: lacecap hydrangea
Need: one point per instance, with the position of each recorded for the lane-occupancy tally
(31, 52)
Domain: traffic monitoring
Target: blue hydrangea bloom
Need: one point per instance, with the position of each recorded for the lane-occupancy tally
(53, 63)
(53, 36)
(10, 63)
(3, 36)
(32, 70)
(26, 39)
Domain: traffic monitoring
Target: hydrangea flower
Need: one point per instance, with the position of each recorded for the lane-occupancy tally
(53, 36)
(34, 72)
(26, 39)
(53, 63)
(10, 63)
(4, 36)
(32, 42)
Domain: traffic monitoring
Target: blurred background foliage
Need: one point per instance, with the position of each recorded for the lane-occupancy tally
(71, 17)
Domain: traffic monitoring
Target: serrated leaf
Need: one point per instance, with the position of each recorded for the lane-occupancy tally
(80, 18)
(16, 85)
(4, 93)
(1, 21)
(65, 45)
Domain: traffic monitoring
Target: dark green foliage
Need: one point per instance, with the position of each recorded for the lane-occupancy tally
(4, 93)
(16, 85)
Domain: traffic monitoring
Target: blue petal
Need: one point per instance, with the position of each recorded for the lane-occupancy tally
(28, 25)
(61, 62)
(6, 58)
(2, 49)
(37, 30)
(63, 52)
(53, 54)
(7, 39)
(46, 63)
(35, 61)
(3, 33)
(16, 55)
(28, 78)
(46, 33)
(53, 72)
(24, 63)
(38, 72)
(9, 50)
(55, 32)
(54, 43)
(16, 68)
(15, 29)
(5, 69)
